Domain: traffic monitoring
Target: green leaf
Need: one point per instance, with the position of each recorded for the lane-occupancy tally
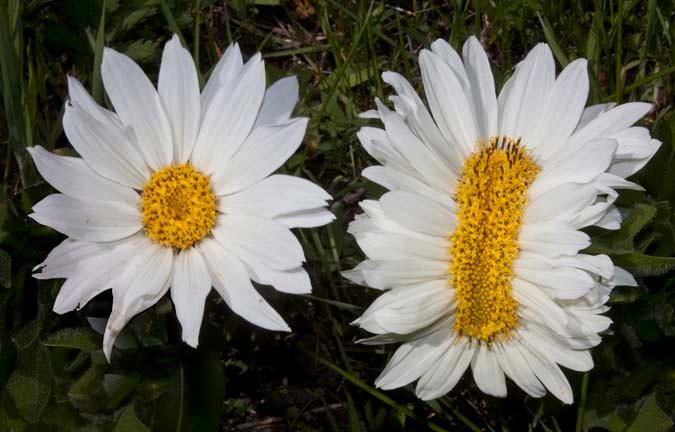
(142, 50)
(128, 422)
(645, 265)
(31, 383)
(650, 417)
(118, 387)
(645, 415)
(80, 338)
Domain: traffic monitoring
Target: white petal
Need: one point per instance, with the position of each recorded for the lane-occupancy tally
(559, 282)
(376, 142)
(537, 306)
(88, 274)
(265, 150)
(89, 221)
(529, 90)
(190, 285)
(268, 240)
(104, 147)
(592, 112)
(79, 95)
(413, 359)
(487, 373)
(393, 180)
(448, 54)
(563, 110)
(229, 118)
(144, 281)
(278, 103)
(623, 278)
(444, 374)
(232, 282)
(598, 264)
(388, 274)
(306, 218)
(178, 88)
(75, 178)
(418, 213)
(559, 202)
(422, 124)
(515, 366)
(63, 259)
(552, 239)
(415, 153)
(389, 246)
(629, 166)
(452, 110)
(579, 167)
(482, 87)
(407, 309)
(224, 74)
(549, 374)
(276, 195)
(556, 350)
(138, 106)
(604, 125)
(295, 281)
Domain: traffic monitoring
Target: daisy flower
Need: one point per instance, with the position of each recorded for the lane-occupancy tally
(478, 240)
(174, 191)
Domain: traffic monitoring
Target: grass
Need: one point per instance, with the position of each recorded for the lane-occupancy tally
(317, 378)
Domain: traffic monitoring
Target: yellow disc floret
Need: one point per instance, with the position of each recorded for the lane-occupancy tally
(491, 198)
(178, 206)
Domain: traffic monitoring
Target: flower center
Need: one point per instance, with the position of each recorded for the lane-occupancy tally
(178, 206)
(491, 199)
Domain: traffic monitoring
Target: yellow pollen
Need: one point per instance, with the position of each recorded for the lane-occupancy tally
(491, 198)
(178, 206)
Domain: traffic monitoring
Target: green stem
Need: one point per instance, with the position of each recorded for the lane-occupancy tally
(582, 402)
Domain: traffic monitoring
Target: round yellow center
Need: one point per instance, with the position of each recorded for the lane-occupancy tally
(491, 198)
(178, 206)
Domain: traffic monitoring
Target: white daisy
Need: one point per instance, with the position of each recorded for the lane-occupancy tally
(478, 240)
(174, 190)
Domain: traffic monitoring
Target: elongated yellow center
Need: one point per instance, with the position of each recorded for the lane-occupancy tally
(178, 206)
(491, 199)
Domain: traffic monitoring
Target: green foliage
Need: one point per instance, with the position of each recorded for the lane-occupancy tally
(53, 375)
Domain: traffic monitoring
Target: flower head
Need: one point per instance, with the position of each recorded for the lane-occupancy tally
(478, 240)
(174, 191)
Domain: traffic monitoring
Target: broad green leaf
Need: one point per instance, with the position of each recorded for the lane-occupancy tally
(118, 387)
(80, 338)
(31, 383)
(645, 265)
(128, 422)
(650, 418)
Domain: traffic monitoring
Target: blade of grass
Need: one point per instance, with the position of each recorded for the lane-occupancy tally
(12, 93)
(96, 82)
(343, 68)
(337, 304)
(647, 80)
(381, 396)
(195, 39)
(619, 51)
(173, 26)
(296, 51)
(549, 34)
